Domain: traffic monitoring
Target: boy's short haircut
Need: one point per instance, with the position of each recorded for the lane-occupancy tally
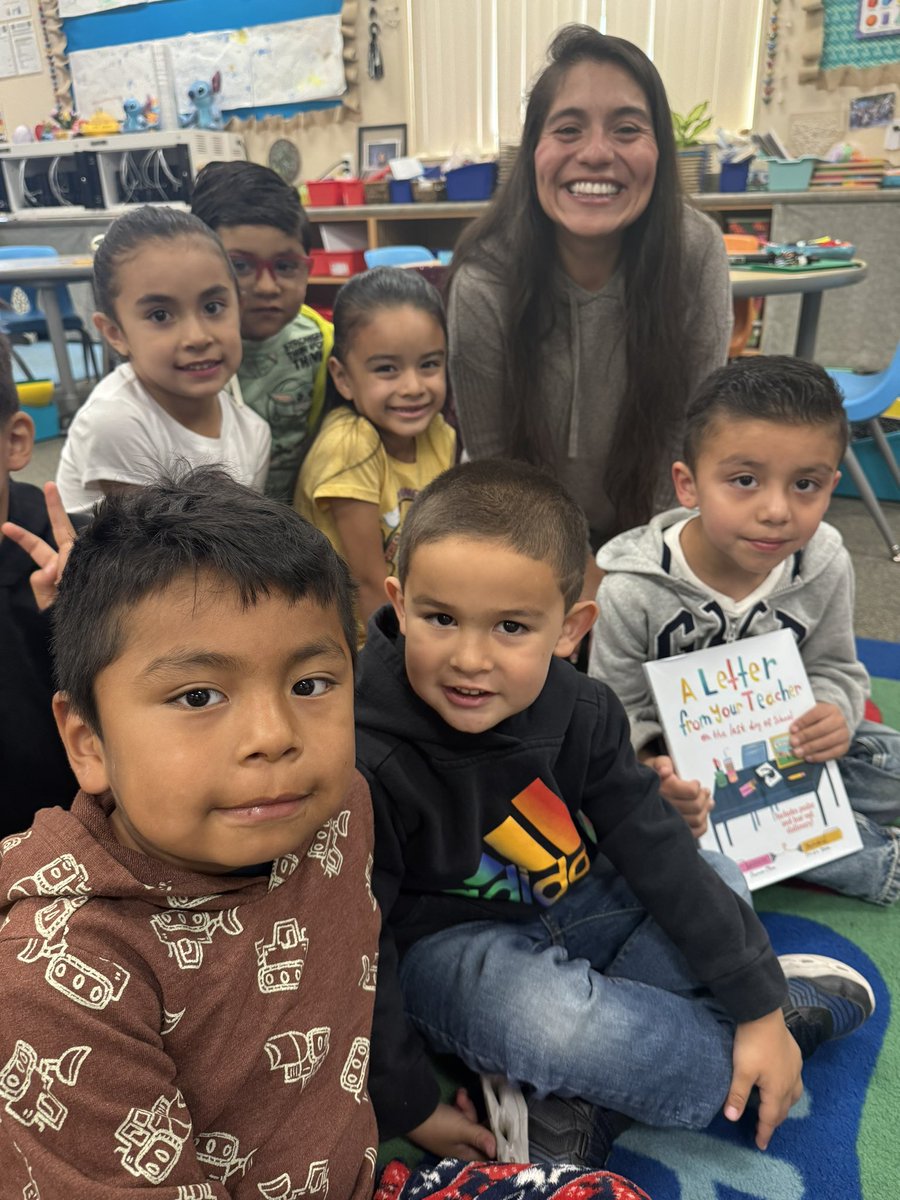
(497, 499)
(776, 387)
(201, 524)
(245, 193)
(9, 396)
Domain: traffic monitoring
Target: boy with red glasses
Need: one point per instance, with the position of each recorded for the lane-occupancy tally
(286, 344)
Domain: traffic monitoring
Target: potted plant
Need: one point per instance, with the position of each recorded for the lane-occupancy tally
(691, 151)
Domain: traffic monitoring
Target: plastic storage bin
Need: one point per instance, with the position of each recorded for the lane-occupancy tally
(875, 468)
(475, 181)
(733, 176)
(790, 174)
(401, 191)
(353, 191)
(338, 264)
(324, 192)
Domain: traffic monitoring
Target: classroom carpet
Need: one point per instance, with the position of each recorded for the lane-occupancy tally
(842, 1141)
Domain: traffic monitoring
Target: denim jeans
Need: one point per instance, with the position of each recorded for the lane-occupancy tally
(871, 774)
(587, 998)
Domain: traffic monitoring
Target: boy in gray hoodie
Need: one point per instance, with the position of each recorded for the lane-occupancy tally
(749, 553)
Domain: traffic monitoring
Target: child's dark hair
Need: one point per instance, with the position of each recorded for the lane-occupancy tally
(502, 500)
(244, 193)
(130, 232)
(203, 523)
(384, 287)
(9, 397)
(777, 388)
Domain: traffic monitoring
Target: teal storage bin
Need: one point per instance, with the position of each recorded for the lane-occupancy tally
(875, 468)
(46, 421)
(791, 174)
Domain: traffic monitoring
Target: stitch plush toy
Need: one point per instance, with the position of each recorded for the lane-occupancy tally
(138, 117)
(206, 113)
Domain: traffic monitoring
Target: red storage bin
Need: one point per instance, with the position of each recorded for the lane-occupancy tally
(353, 191)
(338, 264)
(324, 192)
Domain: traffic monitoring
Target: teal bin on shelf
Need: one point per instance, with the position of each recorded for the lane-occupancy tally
(790, 174)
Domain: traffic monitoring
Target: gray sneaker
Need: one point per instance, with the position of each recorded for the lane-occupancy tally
(827, 999)
(572, 1131)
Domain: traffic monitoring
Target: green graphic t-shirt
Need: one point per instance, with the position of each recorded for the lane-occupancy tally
(283, 379)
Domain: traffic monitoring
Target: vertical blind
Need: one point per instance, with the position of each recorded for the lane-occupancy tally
(471, 61)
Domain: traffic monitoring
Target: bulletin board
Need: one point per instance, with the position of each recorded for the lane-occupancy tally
(291, 59)
(848, 58)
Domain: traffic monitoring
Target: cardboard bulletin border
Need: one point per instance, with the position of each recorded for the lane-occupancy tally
(846, 59)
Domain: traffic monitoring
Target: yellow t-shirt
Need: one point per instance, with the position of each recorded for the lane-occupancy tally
(348, 461)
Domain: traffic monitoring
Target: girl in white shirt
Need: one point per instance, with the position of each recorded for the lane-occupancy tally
(168, 303)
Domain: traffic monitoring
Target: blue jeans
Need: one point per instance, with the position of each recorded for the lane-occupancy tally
(871, 774)
(587, 998)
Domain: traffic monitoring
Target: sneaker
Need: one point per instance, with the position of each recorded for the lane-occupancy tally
(569, 1130)
(507, 1117)
(826, 999)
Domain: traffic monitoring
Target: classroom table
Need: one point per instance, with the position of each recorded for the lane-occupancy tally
(44, 275)
(810, 285)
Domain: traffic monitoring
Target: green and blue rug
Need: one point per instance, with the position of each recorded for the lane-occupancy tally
(842, 1141)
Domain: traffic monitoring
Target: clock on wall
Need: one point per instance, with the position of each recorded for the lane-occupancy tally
(284, 159)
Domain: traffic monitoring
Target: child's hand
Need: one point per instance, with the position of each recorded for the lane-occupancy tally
(51, 563)
(686, 795)
(820, 734)
(452, 1131)
(767, 1056)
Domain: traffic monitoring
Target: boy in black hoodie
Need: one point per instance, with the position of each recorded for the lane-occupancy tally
(34, 771)
(547, 916)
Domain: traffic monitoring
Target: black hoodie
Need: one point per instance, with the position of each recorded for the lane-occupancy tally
(34, 771)
(563, 782)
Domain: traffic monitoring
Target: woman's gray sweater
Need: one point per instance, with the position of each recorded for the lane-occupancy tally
(583, 370)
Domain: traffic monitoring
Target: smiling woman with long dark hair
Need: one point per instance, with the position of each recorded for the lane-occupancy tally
(590, 298)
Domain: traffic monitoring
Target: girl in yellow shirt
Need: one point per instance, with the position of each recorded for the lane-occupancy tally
(383, 437)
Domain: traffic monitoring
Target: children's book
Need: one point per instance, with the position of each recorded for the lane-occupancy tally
(726, 713)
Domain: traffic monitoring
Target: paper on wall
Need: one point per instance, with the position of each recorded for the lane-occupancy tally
(283, 63)
(78, 8)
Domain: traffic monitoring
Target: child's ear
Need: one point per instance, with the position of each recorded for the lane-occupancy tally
(19, 435)
(685, 488)
(338, 373)
(83, 747)
(394, 590)
(576, 623)
(835, 481)
(111, 332)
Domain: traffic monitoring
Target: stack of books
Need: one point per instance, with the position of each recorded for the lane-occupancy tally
(859, 175)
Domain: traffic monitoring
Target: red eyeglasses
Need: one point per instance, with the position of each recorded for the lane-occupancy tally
(286, 268)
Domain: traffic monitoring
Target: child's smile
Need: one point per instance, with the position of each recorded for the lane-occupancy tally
(482, 622)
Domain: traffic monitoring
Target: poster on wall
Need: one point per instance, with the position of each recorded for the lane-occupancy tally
(866, 111)
(283, 63)
(79, 8)
(878, 18)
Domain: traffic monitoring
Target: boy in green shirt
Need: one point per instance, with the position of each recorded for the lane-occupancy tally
(267, 235)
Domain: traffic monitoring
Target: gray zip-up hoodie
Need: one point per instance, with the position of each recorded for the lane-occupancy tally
(647, 613)
(583, 370)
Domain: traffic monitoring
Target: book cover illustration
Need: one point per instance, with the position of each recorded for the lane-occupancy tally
(726, 713)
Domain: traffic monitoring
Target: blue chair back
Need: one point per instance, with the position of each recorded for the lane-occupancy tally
(868, 396)
(397, 256)
(33, 320)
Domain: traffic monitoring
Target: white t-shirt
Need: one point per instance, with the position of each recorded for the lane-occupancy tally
(122, 435)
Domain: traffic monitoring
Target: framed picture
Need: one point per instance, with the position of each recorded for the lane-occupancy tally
(378, 144)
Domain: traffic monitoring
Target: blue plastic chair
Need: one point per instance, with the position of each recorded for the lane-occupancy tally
(397, 256)
(866, 397)
(18, 322)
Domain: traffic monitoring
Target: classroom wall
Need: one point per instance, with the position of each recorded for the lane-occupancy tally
(808, 117)
(27, 99)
